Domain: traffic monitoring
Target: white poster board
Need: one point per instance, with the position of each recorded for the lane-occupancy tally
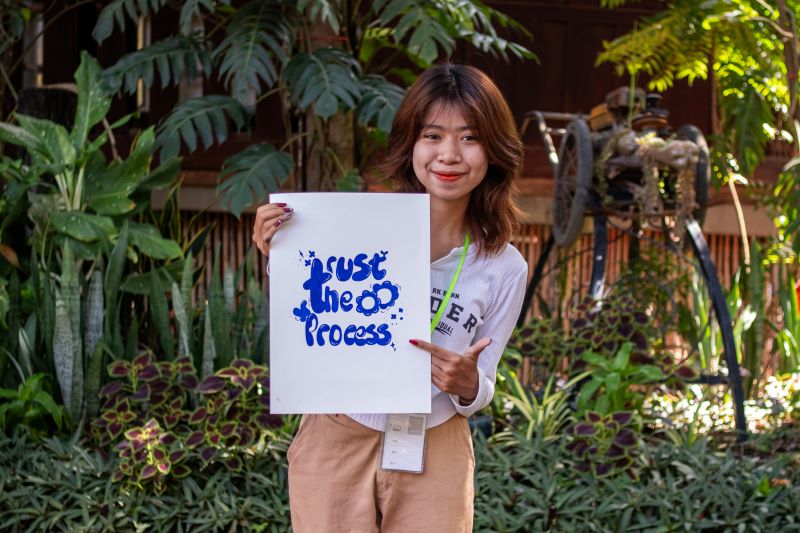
(349, 286)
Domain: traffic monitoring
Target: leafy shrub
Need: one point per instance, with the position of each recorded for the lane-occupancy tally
(148, 416)
(32, 406)
(604, 445)
(525, 485)
(64, 486)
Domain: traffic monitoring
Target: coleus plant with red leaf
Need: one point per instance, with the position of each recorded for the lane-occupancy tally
(604, 445)
(163, 420)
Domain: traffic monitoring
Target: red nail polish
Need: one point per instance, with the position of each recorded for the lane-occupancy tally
(281, 204)
(278, 223)
(288, 209)
(412, 341)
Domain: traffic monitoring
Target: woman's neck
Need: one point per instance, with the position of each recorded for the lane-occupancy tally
(448, 228)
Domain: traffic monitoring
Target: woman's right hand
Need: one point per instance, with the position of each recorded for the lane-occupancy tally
(269, 218)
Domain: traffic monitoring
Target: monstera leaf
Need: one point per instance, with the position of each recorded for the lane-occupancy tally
(325, 78)
(379, 102)
(259, 33)
(116, 10)
(192, 7)
(172, 58)
(205, 116)
(251, 174)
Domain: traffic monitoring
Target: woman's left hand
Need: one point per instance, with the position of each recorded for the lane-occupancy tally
(455, 373)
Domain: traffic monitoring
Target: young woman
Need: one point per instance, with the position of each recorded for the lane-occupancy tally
(453, 137)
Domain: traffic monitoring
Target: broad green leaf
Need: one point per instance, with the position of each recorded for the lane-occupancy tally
(258, 35)
(83, 226)
(163, 176)
(594, 359)
(108, 192)
(19, 136)
(53, 141)
(325, 78)
(173, 58)
(93, 102)
(250, 175)
(621, 359)
(208, 113)
(146, 238)
(612, 382)
(141, 283)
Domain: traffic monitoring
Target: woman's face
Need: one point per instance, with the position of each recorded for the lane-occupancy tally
(449, 159)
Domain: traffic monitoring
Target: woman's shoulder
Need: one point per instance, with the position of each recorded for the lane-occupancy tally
(508, 260)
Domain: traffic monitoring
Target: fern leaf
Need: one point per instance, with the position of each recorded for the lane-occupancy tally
(206, 116)
(325, 78)
(171, 57)
(259, 33)
(251, 174)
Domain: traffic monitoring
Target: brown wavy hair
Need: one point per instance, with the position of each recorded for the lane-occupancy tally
(492, 215)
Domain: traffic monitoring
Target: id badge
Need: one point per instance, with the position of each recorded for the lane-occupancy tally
(404, 443)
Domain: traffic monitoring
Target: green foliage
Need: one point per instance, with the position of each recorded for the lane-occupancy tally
(269, 48)
(611, 387)
(116, 11)
(173, 58)
(252, 174)
(254, 48)
(326, 78)
(161, 433)
(64, 486)
(204, 117)
(32, 406)
(527, 485)
(542, 417)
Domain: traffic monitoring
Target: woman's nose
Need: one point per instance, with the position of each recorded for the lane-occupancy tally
(449, 152)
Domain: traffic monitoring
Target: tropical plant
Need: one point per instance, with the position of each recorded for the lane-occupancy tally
(32, 406)
(163, 422)
(604, 445)
(611, 385)
(542, 414)
(84, 218)
(341, 94)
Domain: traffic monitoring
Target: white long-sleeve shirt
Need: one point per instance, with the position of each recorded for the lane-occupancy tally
(486, 302)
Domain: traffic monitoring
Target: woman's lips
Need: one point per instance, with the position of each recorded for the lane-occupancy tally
(448, 176)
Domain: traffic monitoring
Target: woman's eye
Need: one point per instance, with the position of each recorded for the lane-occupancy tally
(431, 136)
(470, 138)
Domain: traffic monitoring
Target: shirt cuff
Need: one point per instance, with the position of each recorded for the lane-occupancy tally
(481, 399)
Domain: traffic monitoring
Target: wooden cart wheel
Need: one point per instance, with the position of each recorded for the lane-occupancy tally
(702, 177)
(573, 179)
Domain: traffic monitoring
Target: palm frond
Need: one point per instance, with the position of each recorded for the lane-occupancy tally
(259, 34)
(205, 116)
(171, 57)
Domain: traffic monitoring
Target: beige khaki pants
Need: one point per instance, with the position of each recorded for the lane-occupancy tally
(337, 486)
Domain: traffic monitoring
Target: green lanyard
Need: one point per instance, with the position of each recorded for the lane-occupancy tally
(446, 299)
